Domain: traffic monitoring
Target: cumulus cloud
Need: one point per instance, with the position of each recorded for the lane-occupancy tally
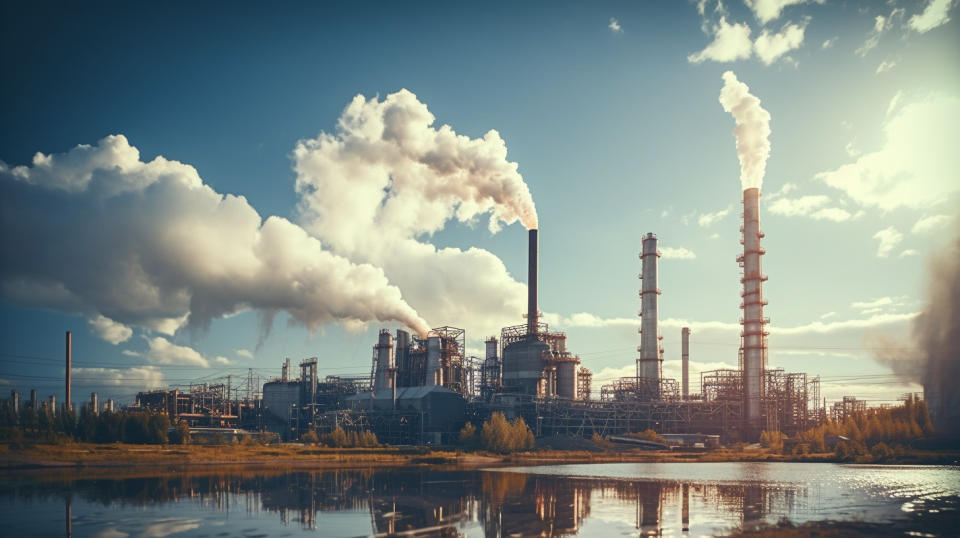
(936, 13)
(110, 330)
(931, 223)
(165, 352)
(245, 353)
(812, 206)
(151, 245)
(909, 252)
(706, 220)
(144, 377)
(768, 10)
(222, 361)
(770, 46)
(377, 188)
(614, 26)
(917, 165)
(679, 253)
(828, 43)
(889, 239)
(731, 42)
(752, 130)
(131, 353)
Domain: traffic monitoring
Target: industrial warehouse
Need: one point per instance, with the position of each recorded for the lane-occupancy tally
(422, 389)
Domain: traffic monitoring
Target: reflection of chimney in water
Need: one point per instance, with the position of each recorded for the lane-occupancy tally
(685, 515)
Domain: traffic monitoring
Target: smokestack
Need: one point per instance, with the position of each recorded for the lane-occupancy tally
(33, 400)
(685, 361)
(649, 364)
(753, 343)
(94, 404)
(67, 402)
(532, 312)
(15, 401)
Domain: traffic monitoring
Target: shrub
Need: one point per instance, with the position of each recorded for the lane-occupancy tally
(772, 440)
(499, 435)
(468, 435)
(649, 435)
(180, 434)
(311, 437)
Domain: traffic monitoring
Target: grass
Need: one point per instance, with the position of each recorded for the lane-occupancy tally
(293, 454)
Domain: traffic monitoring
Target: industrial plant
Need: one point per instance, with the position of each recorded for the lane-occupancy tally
(422, 389)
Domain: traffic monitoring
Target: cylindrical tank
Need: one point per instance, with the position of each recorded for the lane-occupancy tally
(567, 380)
(434, 373)
(523, 365)
(384, 351)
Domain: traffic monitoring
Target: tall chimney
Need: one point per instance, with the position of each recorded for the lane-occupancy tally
(532, 312)
(648, 365)
(753, 342)
(685, 361)
(68, 400)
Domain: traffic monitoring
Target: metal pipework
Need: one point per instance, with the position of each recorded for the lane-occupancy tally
(648, 365)
(754, 335)
(685, 361)
(532, 254)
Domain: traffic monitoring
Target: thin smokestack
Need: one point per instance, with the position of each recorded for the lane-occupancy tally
(685, 361)
(67, 402)
(753, 346)
(532, 254)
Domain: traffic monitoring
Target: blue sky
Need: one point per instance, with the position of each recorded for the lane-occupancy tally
(610, 111)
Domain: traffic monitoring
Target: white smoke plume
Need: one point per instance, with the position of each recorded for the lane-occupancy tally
(99, 232)
(752, 129)
(377, 188)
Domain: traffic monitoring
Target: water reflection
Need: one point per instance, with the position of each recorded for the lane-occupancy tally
(444, 502)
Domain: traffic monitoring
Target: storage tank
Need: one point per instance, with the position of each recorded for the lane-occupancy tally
(523, 365)
(567, 379)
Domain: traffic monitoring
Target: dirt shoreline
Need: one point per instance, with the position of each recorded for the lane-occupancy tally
(87, 455)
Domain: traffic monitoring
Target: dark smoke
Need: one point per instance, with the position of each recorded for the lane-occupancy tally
(936, 331)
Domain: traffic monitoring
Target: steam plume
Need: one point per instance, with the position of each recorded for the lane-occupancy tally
(99, 232)
(377, 188)
(752, 131)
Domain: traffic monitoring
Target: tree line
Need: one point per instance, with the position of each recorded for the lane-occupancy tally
(43, 425)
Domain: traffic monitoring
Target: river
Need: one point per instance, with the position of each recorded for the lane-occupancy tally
(622, 499)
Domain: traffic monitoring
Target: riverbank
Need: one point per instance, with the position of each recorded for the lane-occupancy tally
(297, 455)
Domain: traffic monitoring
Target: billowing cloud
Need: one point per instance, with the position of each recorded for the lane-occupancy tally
(936, 13)
(752, 130)
(705, 220)
(917, 166)
(731, 42)
(614, 26)
(679, 253)
(889, 238)
(98, 231)
(245, 353)
(931, 223)
(110, 330)
(165, 352)
(376, 189)
(768, 10)
(770, 46)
